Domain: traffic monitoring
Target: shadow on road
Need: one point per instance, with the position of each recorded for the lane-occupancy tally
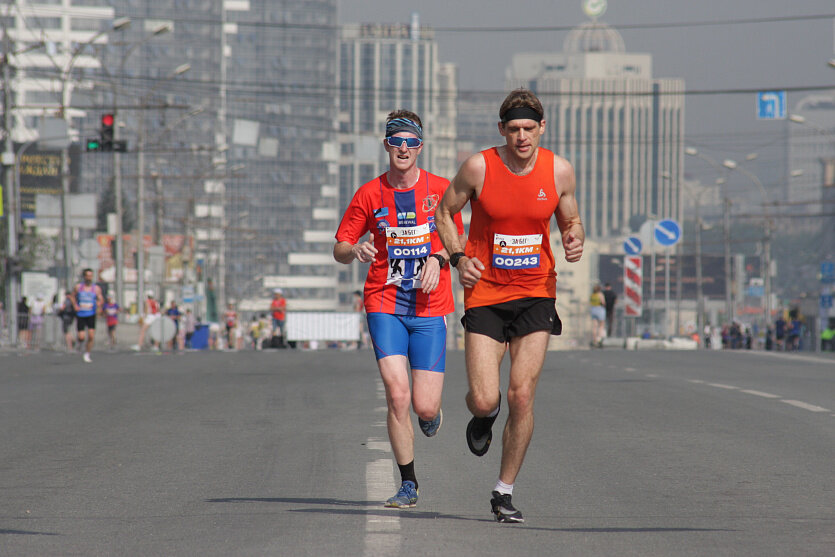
(422, 515)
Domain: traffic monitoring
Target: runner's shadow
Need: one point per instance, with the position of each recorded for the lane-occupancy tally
(25, 533)
(294, 500)
(373, 508)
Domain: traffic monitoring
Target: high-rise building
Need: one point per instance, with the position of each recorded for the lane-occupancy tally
(228, 108)
(384, 68)
(621, 128)
(46, 41)
(811, 152)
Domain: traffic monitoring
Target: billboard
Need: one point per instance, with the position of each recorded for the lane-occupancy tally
(40, 173)
(178, 250)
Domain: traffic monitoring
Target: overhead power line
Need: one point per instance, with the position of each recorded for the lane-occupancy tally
(240, 20)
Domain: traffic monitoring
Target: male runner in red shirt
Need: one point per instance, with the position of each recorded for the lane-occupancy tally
(507, 270)
(408, 291)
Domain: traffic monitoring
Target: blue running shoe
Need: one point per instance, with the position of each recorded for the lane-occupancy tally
(407, 496)
(431, 427)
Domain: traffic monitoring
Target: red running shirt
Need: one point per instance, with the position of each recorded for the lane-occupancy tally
(402, 226)
(510, 232)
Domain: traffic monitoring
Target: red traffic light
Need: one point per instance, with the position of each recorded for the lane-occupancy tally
(107, 120)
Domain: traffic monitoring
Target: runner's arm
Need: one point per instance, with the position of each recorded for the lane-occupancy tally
(345, 252)
(568, 215)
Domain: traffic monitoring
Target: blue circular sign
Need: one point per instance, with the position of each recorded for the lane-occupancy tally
(632, 245)
(667, 232)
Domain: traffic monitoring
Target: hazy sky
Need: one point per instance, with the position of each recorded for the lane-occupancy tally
(773, 55)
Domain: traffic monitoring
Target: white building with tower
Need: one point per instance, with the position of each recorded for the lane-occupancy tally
(621, 128)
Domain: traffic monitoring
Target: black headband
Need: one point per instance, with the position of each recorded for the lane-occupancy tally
(521, 113)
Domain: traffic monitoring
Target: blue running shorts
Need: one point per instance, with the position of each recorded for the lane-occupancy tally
(421, 339)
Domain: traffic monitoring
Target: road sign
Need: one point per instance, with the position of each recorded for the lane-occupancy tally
(633, 285)
(632, 245)
(771, 105)
(667, 232)
(826, 301)
(827, 272)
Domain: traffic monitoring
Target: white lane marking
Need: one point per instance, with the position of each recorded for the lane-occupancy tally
(382, 532)
(723, 386)
(696, 381)
(651, 375)
(759, 393)
(786, 355)
(805, 406)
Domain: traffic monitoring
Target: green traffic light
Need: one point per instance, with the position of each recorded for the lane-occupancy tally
(93, 145)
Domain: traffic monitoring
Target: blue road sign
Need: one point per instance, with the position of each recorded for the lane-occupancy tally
(826, 301)
(771, 105)
(827, 272)
(632, 245)
(667, 232)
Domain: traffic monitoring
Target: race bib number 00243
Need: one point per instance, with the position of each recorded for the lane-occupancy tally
(516, 252)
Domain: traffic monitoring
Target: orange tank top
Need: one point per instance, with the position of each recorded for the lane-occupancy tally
(510, 232)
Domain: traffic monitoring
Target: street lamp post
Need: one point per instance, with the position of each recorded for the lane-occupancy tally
(140, 217)
(118, 25)
(117, 169)
(732, 165)
(726, 225)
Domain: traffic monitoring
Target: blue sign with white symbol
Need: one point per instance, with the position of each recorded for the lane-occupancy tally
(632, 245)
(667, 232)
(826, 301)
(771, 105)
(828, 272)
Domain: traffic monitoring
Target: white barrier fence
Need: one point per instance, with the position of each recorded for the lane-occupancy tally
(321, 325)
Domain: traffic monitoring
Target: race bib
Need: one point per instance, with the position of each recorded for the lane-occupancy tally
(407, 247)
(516, 252)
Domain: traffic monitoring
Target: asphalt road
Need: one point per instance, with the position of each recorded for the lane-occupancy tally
(285, 453)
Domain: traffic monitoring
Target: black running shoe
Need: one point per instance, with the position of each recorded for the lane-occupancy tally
(504, 509)
(480, 433)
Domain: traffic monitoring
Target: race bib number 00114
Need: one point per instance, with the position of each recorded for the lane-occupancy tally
(407, 247)
(410, 242)
(516, 252)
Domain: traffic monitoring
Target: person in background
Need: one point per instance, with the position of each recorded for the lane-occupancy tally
(278, 308)
(150, 313)
(23, 322)
(780, 333)
(111, 316)
(597, 310)
(189, 326)
(88, 302)
(230, 318)
(174, 313)
(67, 315)
(37, 314)
(611, 298)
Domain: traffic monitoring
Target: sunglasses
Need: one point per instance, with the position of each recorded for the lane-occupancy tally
(411, 142)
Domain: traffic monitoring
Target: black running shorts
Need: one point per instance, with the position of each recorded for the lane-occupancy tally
(82, 323)
(515, 318)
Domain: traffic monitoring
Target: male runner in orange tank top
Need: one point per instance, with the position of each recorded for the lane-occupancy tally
(508, 274)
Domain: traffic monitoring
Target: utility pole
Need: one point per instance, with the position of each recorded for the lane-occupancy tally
(729, 305)
(8, 159)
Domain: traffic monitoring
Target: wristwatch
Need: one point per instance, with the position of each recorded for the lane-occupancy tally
(453, 259)
(441, 259)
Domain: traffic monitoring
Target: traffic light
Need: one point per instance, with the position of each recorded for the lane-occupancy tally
(93, 144)
(107, 122)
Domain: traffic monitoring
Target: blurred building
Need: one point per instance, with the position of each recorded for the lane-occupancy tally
(384, 68)
(229, 117)
(811, 152)
(621, 128)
